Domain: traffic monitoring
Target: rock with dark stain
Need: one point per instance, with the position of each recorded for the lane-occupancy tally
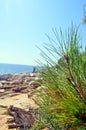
(21, 118)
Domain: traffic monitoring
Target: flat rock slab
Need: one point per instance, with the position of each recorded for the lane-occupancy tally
(20, 100)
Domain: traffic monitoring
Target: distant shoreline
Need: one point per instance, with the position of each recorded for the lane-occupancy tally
(15, 68)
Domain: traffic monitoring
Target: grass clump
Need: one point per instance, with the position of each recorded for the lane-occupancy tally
(63, 99)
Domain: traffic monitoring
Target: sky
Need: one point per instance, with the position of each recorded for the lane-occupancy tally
(24, 23)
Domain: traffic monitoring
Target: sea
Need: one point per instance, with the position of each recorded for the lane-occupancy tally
(15, 68)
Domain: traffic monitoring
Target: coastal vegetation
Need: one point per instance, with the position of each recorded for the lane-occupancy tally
(56, 92)
(62, 100)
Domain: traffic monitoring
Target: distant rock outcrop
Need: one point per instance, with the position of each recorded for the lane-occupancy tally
(20, 83)
(5, 76)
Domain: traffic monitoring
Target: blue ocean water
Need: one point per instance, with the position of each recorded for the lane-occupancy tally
(15, 69)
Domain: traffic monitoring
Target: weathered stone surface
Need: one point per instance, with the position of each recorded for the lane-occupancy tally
(5, 76)
(19, 89)
(2, 90)
(18, 83)
(21, 118)
(16, 90)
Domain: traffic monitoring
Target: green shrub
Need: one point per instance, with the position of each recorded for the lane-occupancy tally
(63, 101)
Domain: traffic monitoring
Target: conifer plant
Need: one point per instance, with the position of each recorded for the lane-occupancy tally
(62, 100)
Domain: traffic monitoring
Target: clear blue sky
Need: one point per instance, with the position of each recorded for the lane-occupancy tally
(23, 24)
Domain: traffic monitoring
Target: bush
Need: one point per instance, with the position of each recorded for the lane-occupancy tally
(63, 100)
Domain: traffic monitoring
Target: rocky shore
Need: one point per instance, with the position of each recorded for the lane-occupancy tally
(17, 91)
(11, 85)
